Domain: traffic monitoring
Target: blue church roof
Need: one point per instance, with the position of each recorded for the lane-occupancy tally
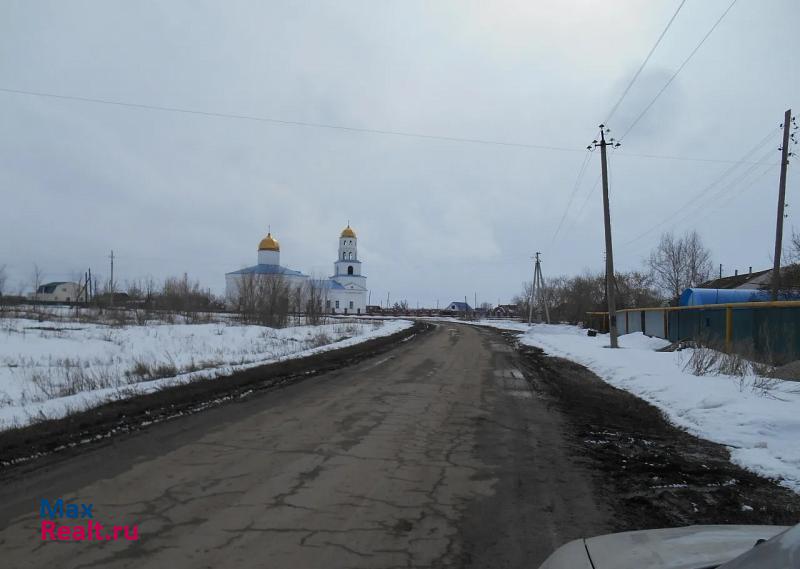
(330, 284)
(267, 270)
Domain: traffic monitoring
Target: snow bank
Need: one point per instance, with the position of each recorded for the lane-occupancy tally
(51, 368)
(762, 431)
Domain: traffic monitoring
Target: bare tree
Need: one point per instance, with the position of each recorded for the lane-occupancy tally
(667, 264)
(789, 283)
(315, 295)
(698, 259)
(263, 299)
(274, 294)
(149, 289)
(246, 296)
(636, 289)
(570, 298)
(3, 279)
(678, 263)
(36, 281)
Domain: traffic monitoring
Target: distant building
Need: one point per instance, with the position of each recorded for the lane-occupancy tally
(57, 292)
(347, 288)
(458, 307)
(750, 279)
(746, 287)
(269, 265)
(344, 293)
(505, 311)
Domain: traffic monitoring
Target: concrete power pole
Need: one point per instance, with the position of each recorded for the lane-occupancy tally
(538, 280)
(530, 297)
(537, 292)
(776, 269)
(612, 306)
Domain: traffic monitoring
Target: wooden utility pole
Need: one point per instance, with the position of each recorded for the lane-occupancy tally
(776, 268)
(111, 282)
(610, 294)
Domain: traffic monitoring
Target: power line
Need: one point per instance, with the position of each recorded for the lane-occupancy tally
(384, 132)
(720, 205)
(589, 195)
(743, 189)
(270, 120)
(706, 199)
(681, 158)
(702, 194)
(581, 172)
(641, 67)
(680, 68)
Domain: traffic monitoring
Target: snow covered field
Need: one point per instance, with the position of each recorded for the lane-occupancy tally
(761, 428)
(53, 367)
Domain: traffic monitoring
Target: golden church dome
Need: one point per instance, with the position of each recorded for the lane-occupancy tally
(269, 243)
(348, 232)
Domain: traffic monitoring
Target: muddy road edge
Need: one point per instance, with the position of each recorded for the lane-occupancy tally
(653, 473)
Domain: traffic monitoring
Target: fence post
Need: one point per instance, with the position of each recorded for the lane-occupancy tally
(728, 328)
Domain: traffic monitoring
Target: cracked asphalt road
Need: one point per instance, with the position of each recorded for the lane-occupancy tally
(435, 454)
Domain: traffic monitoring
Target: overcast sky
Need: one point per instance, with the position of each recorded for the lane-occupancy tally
(173, 193)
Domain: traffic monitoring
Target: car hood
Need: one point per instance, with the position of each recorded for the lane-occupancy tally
(691, 547)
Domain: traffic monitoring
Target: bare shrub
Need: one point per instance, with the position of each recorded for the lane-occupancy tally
(166, 369)
(320, 339)
(703, 361)
(764, 385)
(140, 369)
(733, 364)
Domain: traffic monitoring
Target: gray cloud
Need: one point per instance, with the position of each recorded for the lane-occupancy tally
(174, 193)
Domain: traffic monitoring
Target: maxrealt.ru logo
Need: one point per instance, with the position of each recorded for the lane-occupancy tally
(86, 530)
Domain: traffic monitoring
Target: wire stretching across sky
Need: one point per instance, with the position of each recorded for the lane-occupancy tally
(270, 120)
(581, 172)
(742, 190)
(702, 195)
(366, 130)
(644, 63)
(677, 71)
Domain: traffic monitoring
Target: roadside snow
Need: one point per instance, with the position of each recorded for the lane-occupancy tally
(762, 431)
(51, 368)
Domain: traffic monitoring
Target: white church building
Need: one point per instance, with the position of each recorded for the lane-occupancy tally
(344, 293)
